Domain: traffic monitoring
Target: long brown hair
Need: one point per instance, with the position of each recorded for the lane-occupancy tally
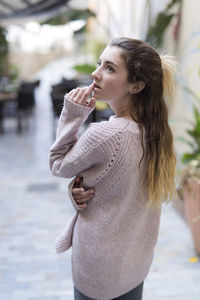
(149, 110)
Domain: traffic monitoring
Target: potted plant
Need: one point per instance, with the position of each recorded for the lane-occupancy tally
(190, 181)
(191, 197)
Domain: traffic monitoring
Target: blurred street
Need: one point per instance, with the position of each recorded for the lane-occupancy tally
(34, 208)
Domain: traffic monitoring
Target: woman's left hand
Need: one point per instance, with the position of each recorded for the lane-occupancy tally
(81, 95)
(80, 194)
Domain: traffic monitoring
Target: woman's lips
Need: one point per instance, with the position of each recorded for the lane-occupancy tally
(96, 86)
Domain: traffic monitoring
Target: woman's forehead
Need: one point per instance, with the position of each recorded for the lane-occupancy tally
(112, 53)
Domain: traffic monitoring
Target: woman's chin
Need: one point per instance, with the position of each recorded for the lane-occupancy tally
(96, 97)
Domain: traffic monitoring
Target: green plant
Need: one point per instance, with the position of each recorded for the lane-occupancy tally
(3, 51)
(13, 73)
(156, 31)
(85, 68)
(193, 132)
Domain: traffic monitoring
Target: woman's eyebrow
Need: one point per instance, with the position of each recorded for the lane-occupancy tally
(110, 62)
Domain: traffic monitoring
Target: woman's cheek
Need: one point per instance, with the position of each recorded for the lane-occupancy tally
(110, 85)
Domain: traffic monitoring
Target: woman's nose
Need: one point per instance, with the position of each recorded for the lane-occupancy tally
(96, 74)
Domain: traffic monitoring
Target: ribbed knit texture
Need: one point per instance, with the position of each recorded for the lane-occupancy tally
(114, 237)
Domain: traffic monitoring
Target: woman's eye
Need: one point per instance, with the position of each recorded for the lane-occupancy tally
(110, 69)
(106, 67)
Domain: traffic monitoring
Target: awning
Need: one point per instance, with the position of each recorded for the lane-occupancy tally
(16, 9)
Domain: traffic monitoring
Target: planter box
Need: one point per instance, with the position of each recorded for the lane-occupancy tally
(191, 195)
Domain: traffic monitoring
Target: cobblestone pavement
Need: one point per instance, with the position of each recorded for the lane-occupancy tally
(34, 208)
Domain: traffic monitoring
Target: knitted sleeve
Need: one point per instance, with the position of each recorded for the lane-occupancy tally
(70, 155)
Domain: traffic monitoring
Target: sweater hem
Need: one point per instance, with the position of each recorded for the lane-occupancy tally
(106, 294)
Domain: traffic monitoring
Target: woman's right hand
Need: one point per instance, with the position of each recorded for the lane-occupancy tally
(81, 95)
(80, 194)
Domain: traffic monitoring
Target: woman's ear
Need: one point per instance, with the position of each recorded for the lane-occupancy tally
(137, 87)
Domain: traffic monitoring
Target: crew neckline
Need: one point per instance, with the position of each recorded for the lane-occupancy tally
(115, 117)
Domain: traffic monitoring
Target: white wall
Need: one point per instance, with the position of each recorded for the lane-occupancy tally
(188, 54)
(124, 17)
(119, 18)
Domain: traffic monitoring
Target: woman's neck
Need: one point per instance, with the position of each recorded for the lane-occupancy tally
(120, 111)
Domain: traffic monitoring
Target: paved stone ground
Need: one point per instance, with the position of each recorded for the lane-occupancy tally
(34, 208)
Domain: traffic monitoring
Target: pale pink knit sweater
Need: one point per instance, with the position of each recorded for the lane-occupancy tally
(114, 237)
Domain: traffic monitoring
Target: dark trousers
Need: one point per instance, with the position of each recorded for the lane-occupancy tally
(135, 294)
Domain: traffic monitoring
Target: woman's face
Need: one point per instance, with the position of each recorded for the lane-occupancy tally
(110, 77)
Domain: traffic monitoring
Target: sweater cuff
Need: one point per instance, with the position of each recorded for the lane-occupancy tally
(76, 109)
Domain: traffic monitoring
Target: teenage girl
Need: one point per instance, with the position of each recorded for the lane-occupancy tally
(123, 170)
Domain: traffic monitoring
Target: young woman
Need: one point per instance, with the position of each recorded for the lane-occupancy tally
(127, 166)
